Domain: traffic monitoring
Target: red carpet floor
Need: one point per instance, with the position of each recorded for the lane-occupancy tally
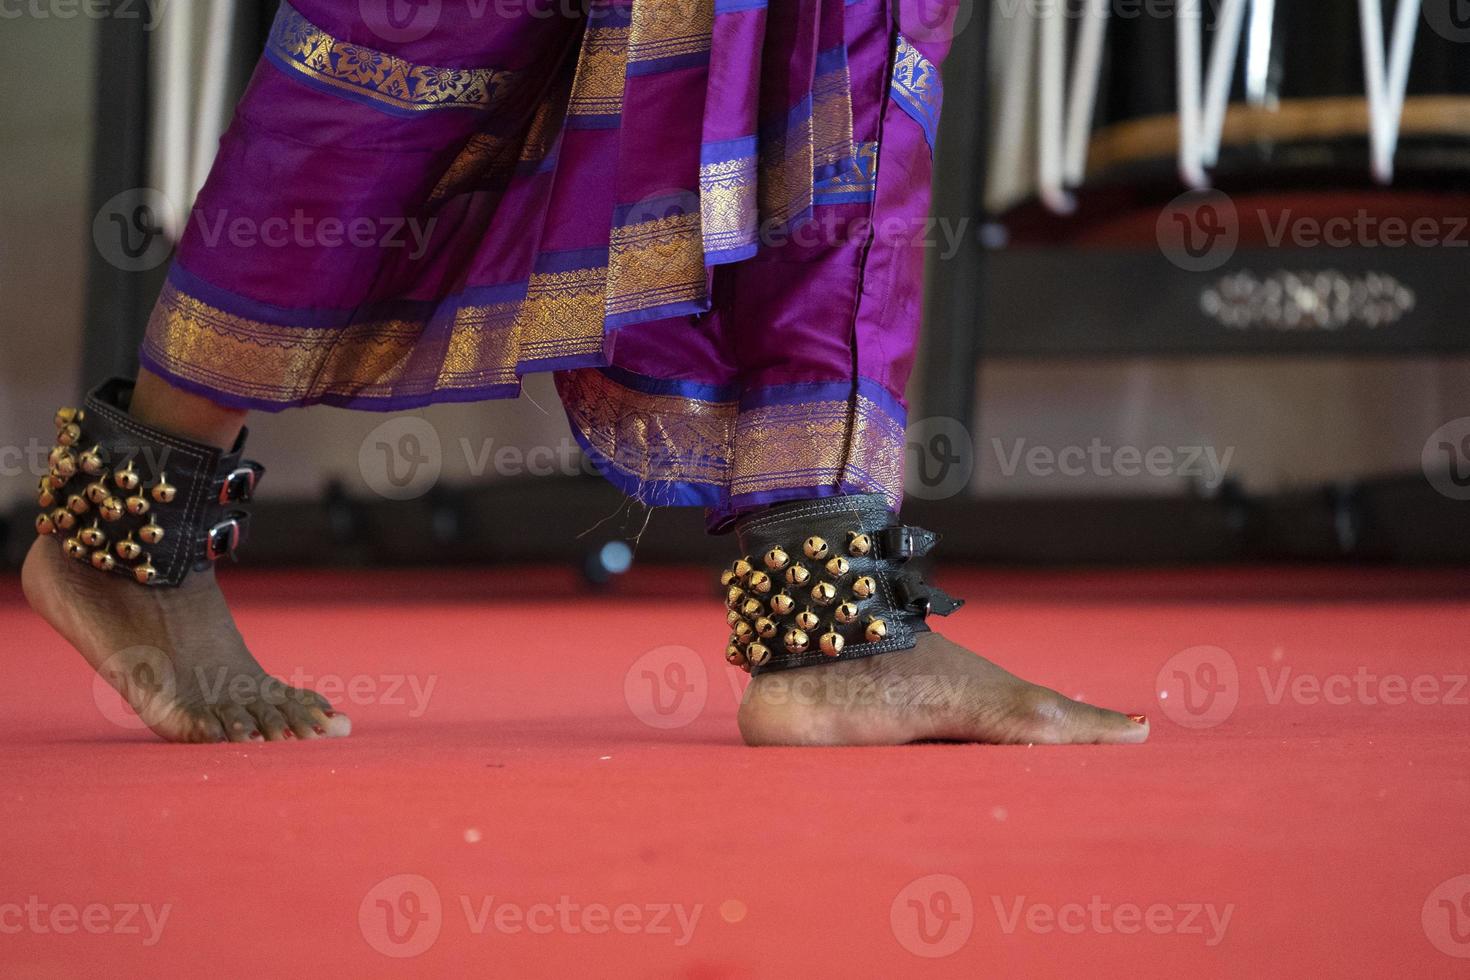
(536, 788)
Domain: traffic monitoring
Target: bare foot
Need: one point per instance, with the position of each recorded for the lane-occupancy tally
(174, 654)
(936, 691)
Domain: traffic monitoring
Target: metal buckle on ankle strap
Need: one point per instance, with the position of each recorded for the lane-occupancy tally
(222, 539)
(238, 486)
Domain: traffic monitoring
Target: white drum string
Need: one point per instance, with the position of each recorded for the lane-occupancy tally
(1082, 99)
(1012, 42)
(1187, 29)
(1051, 92)
(1386, 87)
(214, 95)
(1223, 53)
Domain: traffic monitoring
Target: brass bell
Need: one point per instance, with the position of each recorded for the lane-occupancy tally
(69, 434)
(63, 463)
(858, 543)
(732, 617)
(798, 575)
(875, 630)
(733, 595)
(735, 656)
(91, 461)
(837, 567)
(137, 506)
(727, 578)
(782, 604)
(824, 593)
(831, 643)
(96, 492)
(145, 573)
(64, 519)
(75, 549)
(758, 654)
(864, 587)
(765, 627)
(66, 416)
(815, 548)
(111, 509)
(776, 559)
(151, 533)
(77, 504)
(163, 491)
(743, 632)
(127, 478)
(44, 524)
(45, 495)
(807, 620)
(128, 550)
(751, 608)
(760, 582)
(54, 482)
(92, 536)
(796, 641)
(103, 561)
(846, 612)
(741, 567)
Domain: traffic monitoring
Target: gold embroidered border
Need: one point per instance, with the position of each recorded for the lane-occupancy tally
(670, 28)
(562, 314)
(602, 68)
(377, 75)
(674, 438)
(655, 263)
(916, 85)
(786, 174)
(832, 117)
(485, 160)
(858, 177)
(727, 203)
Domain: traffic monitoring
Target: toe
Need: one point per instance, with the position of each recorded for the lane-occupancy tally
(239, 724)
(1061, 720)
(313, 722)
(271, 723)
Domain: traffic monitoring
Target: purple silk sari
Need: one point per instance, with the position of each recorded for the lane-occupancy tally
(704, 215)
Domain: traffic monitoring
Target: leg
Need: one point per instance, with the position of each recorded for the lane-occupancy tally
(173, 653)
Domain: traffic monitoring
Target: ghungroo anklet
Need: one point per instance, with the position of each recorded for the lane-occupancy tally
(826, 580)
(128, 498)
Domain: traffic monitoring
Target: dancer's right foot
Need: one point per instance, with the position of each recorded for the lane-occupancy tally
(173, 653)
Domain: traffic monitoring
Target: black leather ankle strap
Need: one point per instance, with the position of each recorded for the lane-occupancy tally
(132, 499)
(826, 580)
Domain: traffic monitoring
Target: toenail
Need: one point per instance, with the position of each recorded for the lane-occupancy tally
(255, 733)
(1138, 719)
(319, 729)
(330, 714)
(288, 734)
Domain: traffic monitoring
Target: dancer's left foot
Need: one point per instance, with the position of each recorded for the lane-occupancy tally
(936, 691)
